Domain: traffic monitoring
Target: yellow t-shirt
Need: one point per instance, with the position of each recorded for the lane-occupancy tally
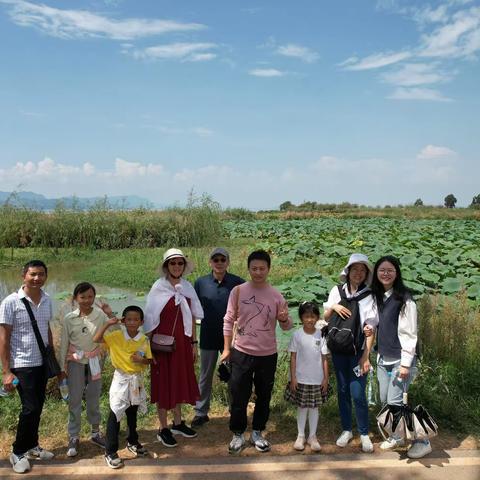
(121, 347)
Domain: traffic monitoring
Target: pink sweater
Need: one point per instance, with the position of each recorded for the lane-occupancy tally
(257, 318)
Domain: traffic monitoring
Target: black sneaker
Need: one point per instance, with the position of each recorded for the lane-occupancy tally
(199, 420)
(113, 461)
(165, 436)
(182, 429)
(138, 449)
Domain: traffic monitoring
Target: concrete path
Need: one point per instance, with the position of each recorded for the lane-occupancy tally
(444, 465)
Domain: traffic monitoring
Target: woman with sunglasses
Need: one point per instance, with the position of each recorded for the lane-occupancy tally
(172, 308)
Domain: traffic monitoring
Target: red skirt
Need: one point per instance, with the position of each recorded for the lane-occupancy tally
(173, 376)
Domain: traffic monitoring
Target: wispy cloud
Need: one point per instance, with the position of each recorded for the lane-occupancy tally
(172, 130)
(434, 151)
(83, 23)
(187, 52)
(411, 74)
(428, 94)
(298, 51)
(377, 60)
(266, 72)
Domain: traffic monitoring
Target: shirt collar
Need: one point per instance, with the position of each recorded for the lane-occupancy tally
(22, 294)
(136, 338)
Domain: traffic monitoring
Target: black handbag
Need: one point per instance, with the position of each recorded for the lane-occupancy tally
(49, 360)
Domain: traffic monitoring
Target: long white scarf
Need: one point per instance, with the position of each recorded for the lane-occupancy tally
(161, 292)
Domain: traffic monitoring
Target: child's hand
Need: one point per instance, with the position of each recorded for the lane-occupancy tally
(113, 321)
(136, 358)
(324, 386)
(107, 310)
(293, 385)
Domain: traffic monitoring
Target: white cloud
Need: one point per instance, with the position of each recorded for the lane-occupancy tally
(411, 74)
(428, 94)
(83, 24)
(434, 151)
(298, 51)
(176, 51)
(377, 60)
(458, 38)
(167, 183)
(266, 72)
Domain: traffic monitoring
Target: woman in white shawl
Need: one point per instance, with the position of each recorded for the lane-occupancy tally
(172, 308)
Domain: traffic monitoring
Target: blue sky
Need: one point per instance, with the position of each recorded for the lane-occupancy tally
(255, 103)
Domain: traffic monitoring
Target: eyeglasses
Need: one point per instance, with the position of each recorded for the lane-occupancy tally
(173, 264)
(389, 271)
(219, 259)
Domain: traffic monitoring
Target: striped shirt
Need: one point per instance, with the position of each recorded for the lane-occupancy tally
(24, 351)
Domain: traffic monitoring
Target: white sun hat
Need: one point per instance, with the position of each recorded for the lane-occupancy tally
(177, 253)
(357, 258)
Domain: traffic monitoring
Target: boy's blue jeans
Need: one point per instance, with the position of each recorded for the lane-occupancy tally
(349, 387)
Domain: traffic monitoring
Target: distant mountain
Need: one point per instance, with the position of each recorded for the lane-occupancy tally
(40, 202)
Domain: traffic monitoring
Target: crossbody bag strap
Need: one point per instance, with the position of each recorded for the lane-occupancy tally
(36, 331)
(175, 323)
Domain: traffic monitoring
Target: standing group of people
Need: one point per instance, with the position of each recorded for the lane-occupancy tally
(239, 321)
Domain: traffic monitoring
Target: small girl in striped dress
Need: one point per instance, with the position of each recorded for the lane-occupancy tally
(308, 384)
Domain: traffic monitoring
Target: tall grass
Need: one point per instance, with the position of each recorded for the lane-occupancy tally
(196, 224)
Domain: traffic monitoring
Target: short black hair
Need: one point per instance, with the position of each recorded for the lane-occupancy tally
(133, 308)
(82, 288)
(34, 263)
(308, 307)
(259, 255)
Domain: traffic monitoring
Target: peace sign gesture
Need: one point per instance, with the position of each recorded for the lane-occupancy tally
(283, 315)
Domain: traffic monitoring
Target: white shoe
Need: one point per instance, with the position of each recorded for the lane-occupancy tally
(19, 463)
(419, 449)
(344, 438)
(299, 443)
(72, 450)
(39, 453)
(237, 443)
(314, 445)
(391, 443)
(367, 445)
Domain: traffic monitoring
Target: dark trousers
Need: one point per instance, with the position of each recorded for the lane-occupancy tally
(248, 370)
(113, 429)
(32, 382)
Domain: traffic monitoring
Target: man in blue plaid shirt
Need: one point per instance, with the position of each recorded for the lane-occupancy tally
(22, 360)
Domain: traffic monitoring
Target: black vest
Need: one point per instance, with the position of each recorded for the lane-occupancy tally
(387, 337)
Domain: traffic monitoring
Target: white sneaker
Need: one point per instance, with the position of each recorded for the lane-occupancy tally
(237, 444)
(391, 443)
(314, 445)
(38, 453)
(419, 449)
(19, 463)
(72, 450)
(367, 445)
(299, 443)
(344, 438)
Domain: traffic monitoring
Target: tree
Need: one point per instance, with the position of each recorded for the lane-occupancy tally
(287, 206)
(450, 200)
(418, 203)
(475, 202)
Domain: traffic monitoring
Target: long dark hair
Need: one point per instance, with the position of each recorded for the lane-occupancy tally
(400, 290)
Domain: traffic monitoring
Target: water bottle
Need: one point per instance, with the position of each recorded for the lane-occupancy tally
(3, 392)
(63, 387)
(370, 397)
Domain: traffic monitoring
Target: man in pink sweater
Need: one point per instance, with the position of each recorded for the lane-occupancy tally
(255, 307)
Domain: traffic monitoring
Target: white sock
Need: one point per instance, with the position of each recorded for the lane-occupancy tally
(312, 421)
(301, 420)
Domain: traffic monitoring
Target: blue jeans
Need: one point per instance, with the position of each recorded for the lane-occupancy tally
(350, 386)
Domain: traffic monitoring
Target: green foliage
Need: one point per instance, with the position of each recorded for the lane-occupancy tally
(475, 201)
(450, 200)
(197, 224)
(418, 203)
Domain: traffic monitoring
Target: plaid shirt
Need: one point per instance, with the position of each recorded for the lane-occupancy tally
(24, 351)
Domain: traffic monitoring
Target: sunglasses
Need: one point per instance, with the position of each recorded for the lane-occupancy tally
(219, 260)
(173, 264)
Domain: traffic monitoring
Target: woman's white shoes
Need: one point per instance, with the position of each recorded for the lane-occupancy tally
(344, 438)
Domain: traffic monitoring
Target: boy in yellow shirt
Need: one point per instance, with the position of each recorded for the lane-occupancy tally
(130, 355)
